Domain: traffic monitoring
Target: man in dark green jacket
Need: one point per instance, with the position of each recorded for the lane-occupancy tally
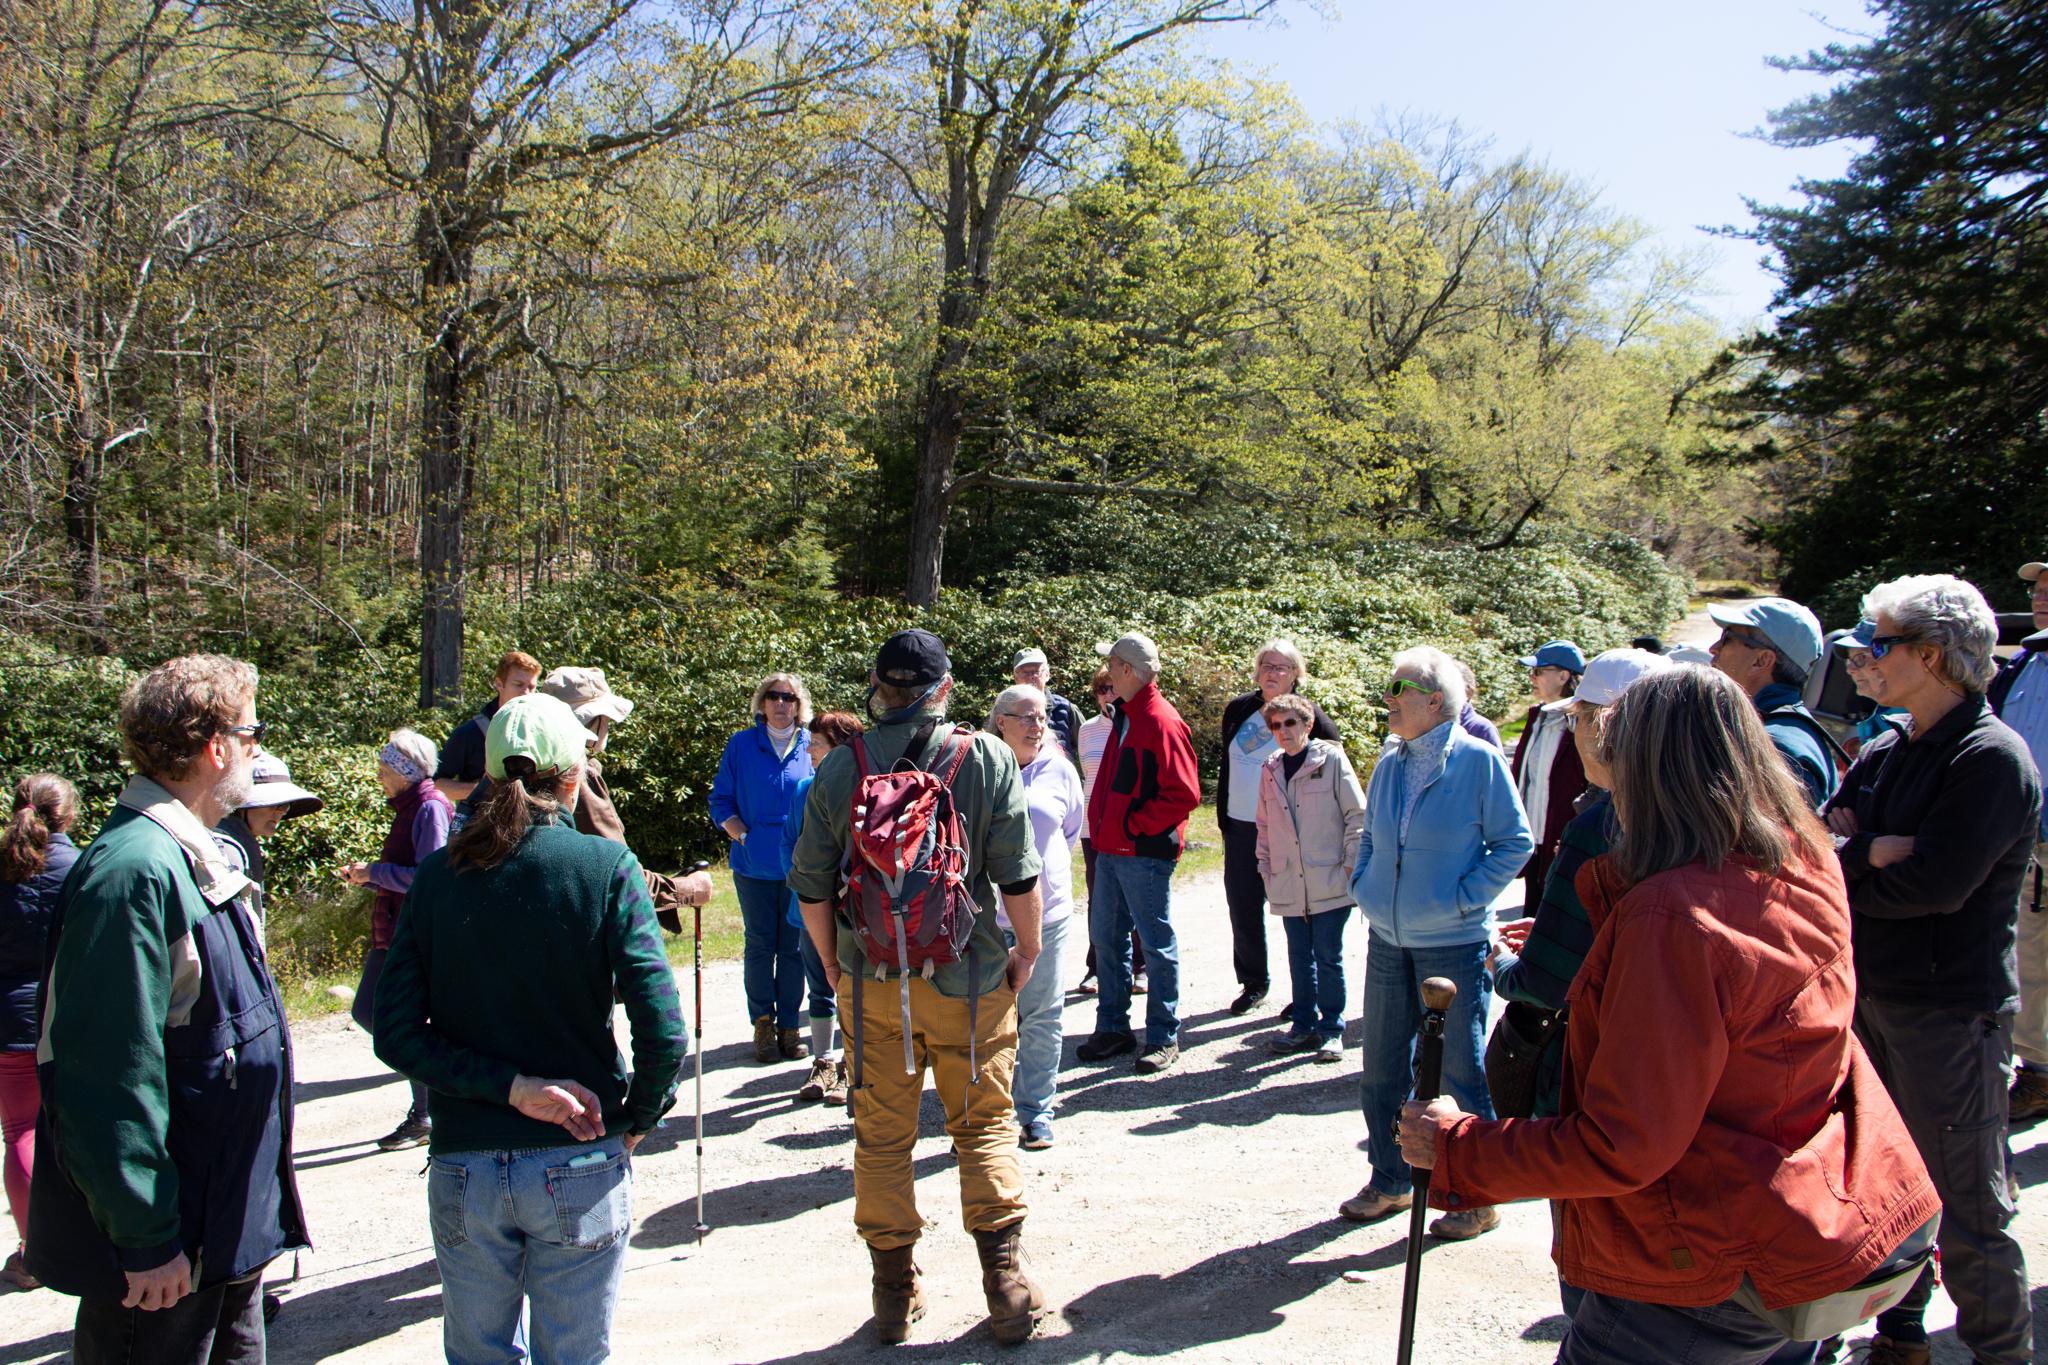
(164, 1181)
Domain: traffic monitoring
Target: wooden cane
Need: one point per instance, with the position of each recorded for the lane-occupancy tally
(697, 957)
(1437, 995)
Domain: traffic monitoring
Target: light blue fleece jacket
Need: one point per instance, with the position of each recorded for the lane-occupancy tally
(1466, 841)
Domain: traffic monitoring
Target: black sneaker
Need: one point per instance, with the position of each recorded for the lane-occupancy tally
(1102, 1046)
(1156, 1059)
(1247, 1001)
(1287, 1013)
(413, 1132)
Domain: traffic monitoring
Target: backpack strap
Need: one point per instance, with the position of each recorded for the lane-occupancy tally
(1795, 711)
(973, 1010)
(858, 1071)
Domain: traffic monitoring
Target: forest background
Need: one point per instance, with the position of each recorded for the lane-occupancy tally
(691, 340)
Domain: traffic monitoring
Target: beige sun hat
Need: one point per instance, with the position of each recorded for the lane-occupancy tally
(587, 694)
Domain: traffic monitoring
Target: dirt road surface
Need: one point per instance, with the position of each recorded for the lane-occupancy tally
(1191, 1215)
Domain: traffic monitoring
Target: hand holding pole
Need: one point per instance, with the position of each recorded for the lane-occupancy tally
(1437, 994)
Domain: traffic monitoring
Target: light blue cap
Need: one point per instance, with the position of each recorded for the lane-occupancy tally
(1792, 630)
(1557, 654)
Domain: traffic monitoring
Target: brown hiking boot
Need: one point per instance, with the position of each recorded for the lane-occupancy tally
(790, 1042)
(1885, 1351)
(835, 1088)
(765, 1049)
(1013, 1300)
(2028, 1099)
(899, 1295)
(814, 1085)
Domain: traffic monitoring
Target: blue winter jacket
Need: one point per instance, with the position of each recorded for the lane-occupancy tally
(1467, 840)
(755, 785)
(25, 909)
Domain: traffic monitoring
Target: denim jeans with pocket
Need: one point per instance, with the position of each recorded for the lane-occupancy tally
(1393, 1020)
(544, 1226)
(772, 960)
(1315, 963)
(1135, 892)
(1610, 1331)
(1041, 1009)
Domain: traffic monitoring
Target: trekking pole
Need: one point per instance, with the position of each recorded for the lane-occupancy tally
(697, 966)
(1437, 995)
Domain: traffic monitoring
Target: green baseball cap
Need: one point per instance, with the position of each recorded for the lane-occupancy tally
(537, 727)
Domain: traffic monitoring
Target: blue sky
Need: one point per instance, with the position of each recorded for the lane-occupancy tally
(1646, 99)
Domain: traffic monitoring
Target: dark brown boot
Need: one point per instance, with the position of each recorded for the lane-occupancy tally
(790, 1042)
(899, 1294)
(1013, 1300)
(764, 1040)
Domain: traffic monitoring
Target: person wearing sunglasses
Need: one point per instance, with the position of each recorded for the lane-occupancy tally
(1310, 818)
(1768, 647)
(1444, 834)
(2019, 694)
(1935, 832)
(1248, 743)
(757, 775)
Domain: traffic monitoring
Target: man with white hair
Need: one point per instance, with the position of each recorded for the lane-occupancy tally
(1426, 902)
(1137, 816)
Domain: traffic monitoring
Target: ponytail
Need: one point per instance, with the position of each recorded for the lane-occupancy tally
(492, 835)
(44, 803)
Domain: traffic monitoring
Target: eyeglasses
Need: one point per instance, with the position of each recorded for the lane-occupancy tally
(1730, 635)
(1285, 723)
(1105, 690)
(1030, 720)
(254, 732)
(1400, 685)
(789, 697)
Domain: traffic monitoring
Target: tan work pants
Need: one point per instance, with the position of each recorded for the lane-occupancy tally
(979, 1117)
(2030, 1029)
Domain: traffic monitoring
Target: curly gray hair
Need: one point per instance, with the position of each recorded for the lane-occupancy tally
(1941, 609)
(1427, 663)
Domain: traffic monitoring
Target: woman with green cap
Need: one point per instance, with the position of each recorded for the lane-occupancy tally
(529, 1187)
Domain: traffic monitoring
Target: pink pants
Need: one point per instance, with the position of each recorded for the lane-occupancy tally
(19, 1096)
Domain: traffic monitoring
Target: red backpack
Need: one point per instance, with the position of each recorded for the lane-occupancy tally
(903, 880)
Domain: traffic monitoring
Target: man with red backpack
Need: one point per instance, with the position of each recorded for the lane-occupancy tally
(910, 832)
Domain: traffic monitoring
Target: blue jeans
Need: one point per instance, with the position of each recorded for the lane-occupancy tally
(1135, 893)
(1611, 1331)
(1040, 1006)
(546, 1225)
(824, 1003)
(1315, 959)
(1393, 1019)
(773, 963)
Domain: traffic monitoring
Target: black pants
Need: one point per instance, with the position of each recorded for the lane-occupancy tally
(1244, 891)
(219, 1325)
(1946, 1070)
(363, 1011)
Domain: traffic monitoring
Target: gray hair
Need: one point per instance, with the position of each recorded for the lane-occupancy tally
(1007, 699)
(417, 748)
(1941, 609)
(1440, 671)
(1285, 649)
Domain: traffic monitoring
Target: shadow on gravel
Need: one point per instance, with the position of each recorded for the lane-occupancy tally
(2031, 1166)
(1948, 1347)
(1551, 1328)
(754, 1202)
(306, 1092)
(50, 1346)
(325, 1322)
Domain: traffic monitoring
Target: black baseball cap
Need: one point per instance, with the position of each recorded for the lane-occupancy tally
(912, 658)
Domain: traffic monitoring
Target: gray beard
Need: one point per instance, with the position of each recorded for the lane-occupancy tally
(235, 788)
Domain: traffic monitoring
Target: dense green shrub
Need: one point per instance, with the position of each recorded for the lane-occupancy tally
(689, 658)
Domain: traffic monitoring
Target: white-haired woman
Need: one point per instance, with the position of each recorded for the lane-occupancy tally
(1247, 744)
(760, 768)
(1444, 833)
(1935, 832)
(420, 815)
(1052, 791)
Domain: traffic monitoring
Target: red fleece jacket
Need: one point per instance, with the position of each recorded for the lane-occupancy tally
(1147, 783)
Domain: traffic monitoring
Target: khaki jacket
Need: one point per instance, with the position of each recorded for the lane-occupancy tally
(1309, 830)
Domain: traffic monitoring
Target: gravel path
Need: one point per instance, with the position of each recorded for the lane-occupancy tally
(1189, 1215)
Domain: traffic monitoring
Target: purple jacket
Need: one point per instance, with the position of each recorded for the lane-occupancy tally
(419, 825)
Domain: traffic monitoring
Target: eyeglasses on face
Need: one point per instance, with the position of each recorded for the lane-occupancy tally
(1104, 690)
(789, 697)
(254, 732)
(1732, 635)
(1030, 720)
(1285, 723)
(1400, 685)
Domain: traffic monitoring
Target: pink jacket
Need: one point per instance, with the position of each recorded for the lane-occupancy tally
(1309, 831)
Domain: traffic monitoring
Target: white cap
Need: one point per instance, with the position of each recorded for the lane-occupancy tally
(1690, 654)
(1134, 649)
(1034, 655)
(2030, 572)
(1609, 675)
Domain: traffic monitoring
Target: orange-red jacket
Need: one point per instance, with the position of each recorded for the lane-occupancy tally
(1717, 1116)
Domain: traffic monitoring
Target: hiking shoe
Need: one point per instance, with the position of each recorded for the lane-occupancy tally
(1137, 985)
(790, 1043)
(1154, 1060)
(1287, 1013)
(1370, 1205)
(272, 1306)
(822, 1072)
(835, 1088)
(1014, 1299)
(1329, 1048)
(1885, 1351)
(1293, 1042)
(1037, 1135)
(765, 1046)
(898, 1293)
(1101, 1047)
(1247, 1000)
(1465, 1224)
(15, 1272)
(2028, 1099)
(413, 1131)
(1087, 985)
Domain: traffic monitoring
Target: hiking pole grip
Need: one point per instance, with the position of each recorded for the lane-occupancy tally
(697, 960)
(1437, 994)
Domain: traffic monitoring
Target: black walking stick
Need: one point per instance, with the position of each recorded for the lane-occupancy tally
(1437, 995)
(697, 959)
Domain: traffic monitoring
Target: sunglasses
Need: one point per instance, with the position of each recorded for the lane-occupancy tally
(1288, 723)
(1881, 645)
(1400, 685)
(1105, 690)
(1745, 639)
(789, 697)
(254, 732)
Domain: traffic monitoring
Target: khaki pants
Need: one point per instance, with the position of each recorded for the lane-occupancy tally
(2030, 1029)
(979, 1117)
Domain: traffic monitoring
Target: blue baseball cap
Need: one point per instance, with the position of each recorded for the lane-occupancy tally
(1791, 629)
(1558, 654)
(1859, 638)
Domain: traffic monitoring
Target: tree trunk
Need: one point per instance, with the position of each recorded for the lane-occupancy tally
(943, 422)
(82, 533)
(442, 449)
